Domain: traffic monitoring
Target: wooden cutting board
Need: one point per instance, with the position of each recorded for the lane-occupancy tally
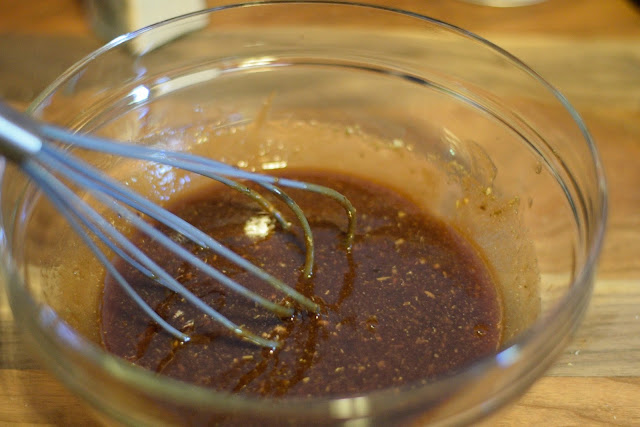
(589, 49)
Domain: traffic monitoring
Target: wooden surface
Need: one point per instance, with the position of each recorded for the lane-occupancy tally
(589, 49)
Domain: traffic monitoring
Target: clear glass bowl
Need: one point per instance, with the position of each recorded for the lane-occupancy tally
(519, 174)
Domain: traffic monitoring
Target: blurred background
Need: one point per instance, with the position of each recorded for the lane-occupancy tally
(41, 38)
(588, 49)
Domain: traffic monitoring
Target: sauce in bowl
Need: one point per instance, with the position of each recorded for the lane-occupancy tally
(413, 300)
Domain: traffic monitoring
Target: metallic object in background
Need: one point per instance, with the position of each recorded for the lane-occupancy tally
(112, 18)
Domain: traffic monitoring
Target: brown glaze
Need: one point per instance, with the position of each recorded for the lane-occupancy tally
(412, 301)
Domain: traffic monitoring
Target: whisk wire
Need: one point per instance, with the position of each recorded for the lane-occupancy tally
(117, 242)
(51, 185)
(199, 165)
(93, 180)
(29, 144)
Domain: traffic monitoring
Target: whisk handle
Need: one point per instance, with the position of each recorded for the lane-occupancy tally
(19, 135)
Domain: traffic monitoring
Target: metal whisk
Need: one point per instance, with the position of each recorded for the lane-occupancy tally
(34, 147)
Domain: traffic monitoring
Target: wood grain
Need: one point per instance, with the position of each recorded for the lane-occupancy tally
(34, 397)
(574, 18)
(589, 49)
(594, 402)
